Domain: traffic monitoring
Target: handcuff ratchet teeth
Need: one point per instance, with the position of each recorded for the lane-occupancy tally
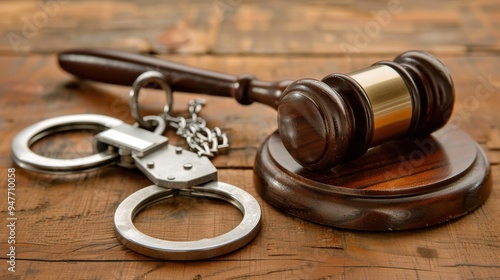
(173, 170)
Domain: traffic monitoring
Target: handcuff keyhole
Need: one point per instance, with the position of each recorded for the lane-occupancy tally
(186, 218)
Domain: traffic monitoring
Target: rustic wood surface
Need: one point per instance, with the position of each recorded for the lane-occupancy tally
(65, 223)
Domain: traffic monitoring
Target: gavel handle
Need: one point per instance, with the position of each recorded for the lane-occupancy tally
(122, 68)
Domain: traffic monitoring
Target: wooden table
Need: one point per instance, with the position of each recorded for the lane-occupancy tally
(64, 227)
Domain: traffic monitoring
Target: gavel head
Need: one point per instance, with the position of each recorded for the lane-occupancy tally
(322, 123)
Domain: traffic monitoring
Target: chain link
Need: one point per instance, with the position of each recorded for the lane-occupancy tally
(200, 139)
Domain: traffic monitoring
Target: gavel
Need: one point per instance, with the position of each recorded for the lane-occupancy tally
(321, 122)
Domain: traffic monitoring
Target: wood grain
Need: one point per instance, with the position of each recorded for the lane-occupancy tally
(65, 227)
(344, 28)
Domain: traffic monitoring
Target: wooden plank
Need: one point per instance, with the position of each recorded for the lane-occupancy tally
(70, 227)
(346, 28)
(148, 26)
(65, 226)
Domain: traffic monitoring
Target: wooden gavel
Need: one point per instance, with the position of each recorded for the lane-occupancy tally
(321, 123)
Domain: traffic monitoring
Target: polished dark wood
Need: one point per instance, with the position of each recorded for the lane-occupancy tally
(407, 184)
(122, 68)
(321, 123)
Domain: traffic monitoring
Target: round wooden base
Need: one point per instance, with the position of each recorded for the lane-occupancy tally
(407, 184)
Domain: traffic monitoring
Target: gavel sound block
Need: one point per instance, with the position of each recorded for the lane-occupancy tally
(352, 151)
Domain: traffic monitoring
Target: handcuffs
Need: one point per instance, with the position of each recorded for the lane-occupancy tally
(173, 170)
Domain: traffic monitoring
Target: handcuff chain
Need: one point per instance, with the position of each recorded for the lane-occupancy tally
(200, 139)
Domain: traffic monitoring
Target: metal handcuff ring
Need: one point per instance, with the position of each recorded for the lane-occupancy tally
(144, 79)
(137, 241)
(173, 171)
(27, 159)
